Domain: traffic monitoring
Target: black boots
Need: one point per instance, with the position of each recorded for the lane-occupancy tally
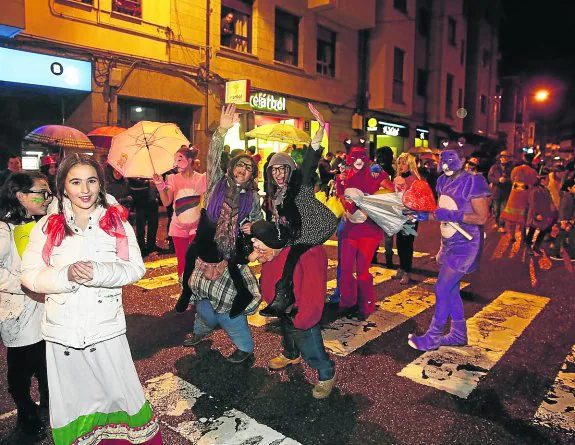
(29, 421)
(283, 301)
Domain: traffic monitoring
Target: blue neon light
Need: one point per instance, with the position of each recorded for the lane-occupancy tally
(41, 69)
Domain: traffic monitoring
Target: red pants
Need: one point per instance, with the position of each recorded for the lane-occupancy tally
(356, 254)
(181, 245)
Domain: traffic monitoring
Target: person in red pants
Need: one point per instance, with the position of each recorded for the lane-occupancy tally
(360, 238)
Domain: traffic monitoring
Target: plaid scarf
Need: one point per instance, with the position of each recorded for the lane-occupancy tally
(226, 228)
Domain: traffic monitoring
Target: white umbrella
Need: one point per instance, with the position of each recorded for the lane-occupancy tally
(145, 149)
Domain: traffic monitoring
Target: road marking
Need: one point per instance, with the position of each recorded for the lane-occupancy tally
(173, 400)
(345, 335)
(170, 279)
(501, 247)
(491, 332)
(332, 243)
(164, 262)
(558, 407)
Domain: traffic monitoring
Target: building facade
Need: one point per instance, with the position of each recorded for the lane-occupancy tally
(169, 61)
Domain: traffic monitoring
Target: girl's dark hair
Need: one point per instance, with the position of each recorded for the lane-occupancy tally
(190, 153)
(11, 210)
(64, 168)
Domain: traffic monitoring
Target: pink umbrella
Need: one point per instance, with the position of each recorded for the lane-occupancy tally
(59, 136)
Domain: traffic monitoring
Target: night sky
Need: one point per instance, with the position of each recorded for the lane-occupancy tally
(537, 37)
(537, 40)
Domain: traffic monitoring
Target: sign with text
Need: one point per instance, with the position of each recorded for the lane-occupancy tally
(237, 91)
(45, 70)
(268, 102)
(373, 125)
(422, 134)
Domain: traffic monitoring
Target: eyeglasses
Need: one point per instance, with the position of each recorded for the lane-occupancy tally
(278, 169)
(45, 194)
(245, 165)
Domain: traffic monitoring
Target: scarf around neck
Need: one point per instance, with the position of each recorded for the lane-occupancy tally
(228, 218)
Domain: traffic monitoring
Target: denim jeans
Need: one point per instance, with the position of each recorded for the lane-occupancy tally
(308, 343)
(237, 328)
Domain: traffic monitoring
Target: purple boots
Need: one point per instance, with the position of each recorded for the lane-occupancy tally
(433, 339)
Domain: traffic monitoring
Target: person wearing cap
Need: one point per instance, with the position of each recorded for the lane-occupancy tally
(301, 334)
(307, 221)
(542, 213)
(499, 178)
(472, 165)
(48, 167)
(360, 238)
(524, 178)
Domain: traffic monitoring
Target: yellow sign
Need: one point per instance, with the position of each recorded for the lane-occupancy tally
(237, 92)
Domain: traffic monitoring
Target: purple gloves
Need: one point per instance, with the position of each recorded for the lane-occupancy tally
(448, 215)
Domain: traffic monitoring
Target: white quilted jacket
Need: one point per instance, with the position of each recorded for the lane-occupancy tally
(80, 315)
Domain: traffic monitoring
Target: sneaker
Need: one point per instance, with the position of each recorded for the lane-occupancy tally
(282, 361)
(555, 258)
(400, 273)
(196, 339)
(239, 356)
(405, 279)
(323, 388)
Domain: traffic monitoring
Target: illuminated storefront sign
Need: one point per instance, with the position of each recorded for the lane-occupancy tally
(268, 102)
(41, 69)
(386, 128)
(237, 91)
(422, 134)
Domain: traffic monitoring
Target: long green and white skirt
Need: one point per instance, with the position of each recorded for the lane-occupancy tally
(96, 396)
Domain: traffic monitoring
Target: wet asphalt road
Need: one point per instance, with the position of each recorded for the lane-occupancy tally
(371, 403)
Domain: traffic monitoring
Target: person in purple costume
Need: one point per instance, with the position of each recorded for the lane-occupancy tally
(463, 199)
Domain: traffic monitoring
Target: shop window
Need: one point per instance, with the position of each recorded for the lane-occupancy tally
(424, 22)
(483, 105)
(128, 7)
(421, 86)
(400, 5)
(486, 58)
(236, 25)
(452, 31)
(286, 38)
(326, 41)
(398, 59)
(449, 96)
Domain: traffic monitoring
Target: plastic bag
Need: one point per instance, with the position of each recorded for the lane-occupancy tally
(385, 210)
(335, 205)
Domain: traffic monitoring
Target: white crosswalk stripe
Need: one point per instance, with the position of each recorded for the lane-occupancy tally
(345, 335)
(558, 407)
(173, 400)
(491, 332)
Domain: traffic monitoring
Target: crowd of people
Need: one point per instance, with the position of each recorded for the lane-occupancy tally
(67, 248)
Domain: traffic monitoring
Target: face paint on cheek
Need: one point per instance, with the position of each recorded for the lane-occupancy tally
(37, 201)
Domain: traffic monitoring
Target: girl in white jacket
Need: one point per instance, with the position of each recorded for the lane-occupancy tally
(81, 256)
(24, 197)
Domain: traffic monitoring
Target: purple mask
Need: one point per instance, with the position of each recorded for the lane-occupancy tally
(449, 162)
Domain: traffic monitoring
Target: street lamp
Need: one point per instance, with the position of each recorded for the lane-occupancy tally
(541, 95)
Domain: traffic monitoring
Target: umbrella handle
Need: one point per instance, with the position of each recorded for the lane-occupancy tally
(461, 230)
(149, 154)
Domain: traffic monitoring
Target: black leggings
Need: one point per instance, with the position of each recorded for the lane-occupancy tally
(405, 250)
(25, 362)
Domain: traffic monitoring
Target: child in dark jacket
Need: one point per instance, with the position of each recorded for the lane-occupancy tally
(542, 213)
(563, 234)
